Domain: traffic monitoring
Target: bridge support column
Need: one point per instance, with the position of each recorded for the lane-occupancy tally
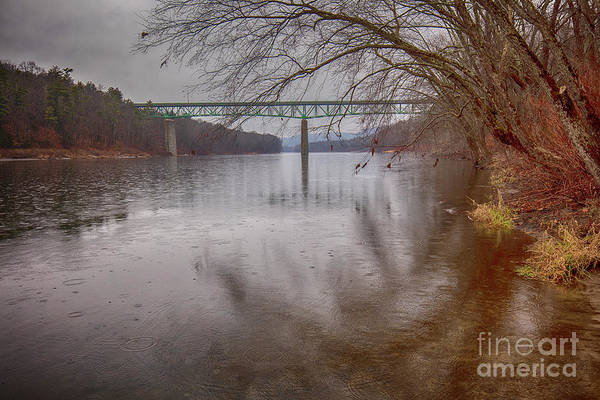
(304, 137)
(170, 138)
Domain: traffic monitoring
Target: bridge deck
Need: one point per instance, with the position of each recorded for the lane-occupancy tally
(283, 109)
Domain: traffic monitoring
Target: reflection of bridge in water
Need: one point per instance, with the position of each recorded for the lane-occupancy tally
(303, 110)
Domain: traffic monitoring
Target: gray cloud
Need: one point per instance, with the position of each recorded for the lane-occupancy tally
(94, 38)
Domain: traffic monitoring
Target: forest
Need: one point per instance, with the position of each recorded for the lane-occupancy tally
(48, 110)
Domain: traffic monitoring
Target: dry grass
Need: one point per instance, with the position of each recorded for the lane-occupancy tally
(494, 215)
(592, 206)
(563, 258)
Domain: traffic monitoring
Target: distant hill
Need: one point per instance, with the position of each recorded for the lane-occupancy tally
(292, 144)
(200, 137)
(357, 143)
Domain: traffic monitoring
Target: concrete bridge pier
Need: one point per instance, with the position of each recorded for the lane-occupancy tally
(170, 138)
(305, 175)
(304, 138)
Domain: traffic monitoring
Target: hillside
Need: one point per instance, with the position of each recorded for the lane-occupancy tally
(48, 110)
(417, 135)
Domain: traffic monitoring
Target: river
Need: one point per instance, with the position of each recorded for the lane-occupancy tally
(251, 277)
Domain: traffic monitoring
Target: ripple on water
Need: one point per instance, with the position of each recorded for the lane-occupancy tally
(73, 282)
(264, 354)
(141, 343)
(363, 385)
(75, 314)
(16, 300)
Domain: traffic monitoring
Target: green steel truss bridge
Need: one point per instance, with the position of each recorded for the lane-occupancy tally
(303, 110)
(283, 109)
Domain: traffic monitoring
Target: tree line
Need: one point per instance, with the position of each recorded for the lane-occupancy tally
(48, 109)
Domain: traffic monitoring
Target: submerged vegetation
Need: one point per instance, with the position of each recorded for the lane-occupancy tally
(494, 215)
(564, 257)
(565, 253)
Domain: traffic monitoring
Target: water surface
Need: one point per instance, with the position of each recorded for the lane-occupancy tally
(251, 277)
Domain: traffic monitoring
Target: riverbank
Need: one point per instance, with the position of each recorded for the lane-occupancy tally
(567, 228)
(72, 153)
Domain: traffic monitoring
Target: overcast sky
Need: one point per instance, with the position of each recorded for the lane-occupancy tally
(95, 37)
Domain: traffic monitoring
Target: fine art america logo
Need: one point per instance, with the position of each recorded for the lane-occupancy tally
(496, 347)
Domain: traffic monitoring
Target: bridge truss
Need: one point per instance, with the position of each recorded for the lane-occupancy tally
(285, 109)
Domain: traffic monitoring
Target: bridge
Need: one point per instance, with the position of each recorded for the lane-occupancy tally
(303, 110)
